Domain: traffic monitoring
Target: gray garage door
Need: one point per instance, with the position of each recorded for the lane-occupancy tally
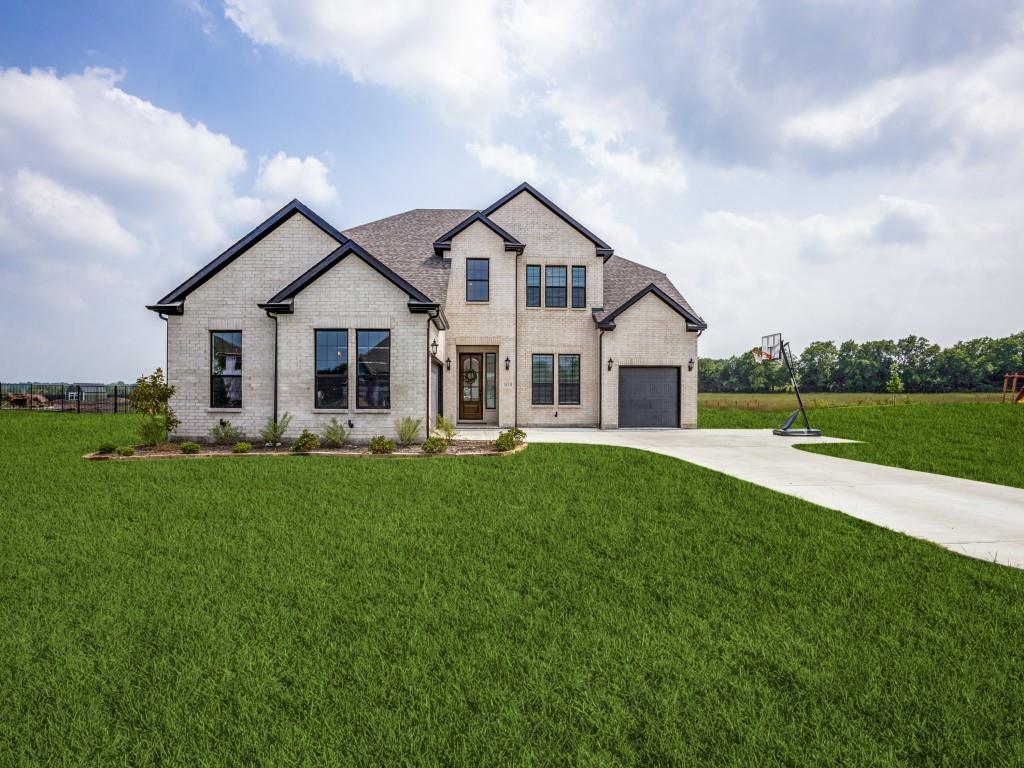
(648, 397)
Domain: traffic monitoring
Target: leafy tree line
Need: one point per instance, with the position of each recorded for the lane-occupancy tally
(976, 365)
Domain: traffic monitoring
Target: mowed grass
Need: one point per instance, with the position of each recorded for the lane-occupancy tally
(568, 605)
(775, 401)
(979, 441)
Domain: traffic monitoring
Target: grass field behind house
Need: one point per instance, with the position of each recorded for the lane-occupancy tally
(776, 401)
(980, 441)
(569, 605)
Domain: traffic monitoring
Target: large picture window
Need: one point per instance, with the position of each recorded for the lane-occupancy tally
(543, 379)
(478, 280)
(579, 287)
(373, 369)
(568, 379)
(226, 369)
(554, 286)
(331, 369)
(533, 285)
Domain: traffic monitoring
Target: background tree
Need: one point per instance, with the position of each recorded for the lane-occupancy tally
(895, 384)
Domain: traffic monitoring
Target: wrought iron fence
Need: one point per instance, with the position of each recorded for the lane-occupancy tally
(66, 398)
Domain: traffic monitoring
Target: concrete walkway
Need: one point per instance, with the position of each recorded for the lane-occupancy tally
(980, 520)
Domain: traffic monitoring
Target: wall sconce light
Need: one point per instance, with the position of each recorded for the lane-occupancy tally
(433, 347)
(610, 363)
(689, 365)
(350, 424)
(507, 362)
(447, 363)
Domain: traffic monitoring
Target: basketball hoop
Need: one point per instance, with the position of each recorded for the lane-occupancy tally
(774, 348)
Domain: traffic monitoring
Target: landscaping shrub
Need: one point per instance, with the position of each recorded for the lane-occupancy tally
(151, 396)
(306, 442)
(125, 450)
(335, 434)
(273, 432)
(446, 428)
(407, 429)
(190, 447)
(509, 439)
(153, 430)
(435, 444)
(225, 434)
(241, 447)
(381, 444)
(106, 448)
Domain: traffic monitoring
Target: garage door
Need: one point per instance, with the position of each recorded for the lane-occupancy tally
(648, 397)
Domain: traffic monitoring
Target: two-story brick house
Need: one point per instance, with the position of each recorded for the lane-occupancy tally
(512, 315)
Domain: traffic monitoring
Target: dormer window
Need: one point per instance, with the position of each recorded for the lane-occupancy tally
(478, 279)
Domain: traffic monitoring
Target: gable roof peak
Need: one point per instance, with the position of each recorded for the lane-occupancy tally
(444, 242)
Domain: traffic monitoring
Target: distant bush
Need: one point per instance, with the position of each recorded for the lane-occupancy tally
(509, 439)
(225, 434)
(125, 450)
(241, 447)
(407, 429)
(381, 444)
(306, 442)
(190, 447)
(273, 432)
(334, 434)
(435, 444)
(446, 428)
(106, 448)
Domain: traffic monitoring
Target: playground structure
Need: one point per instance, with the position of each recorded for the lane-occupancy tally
(1013, 385)
(774, 348)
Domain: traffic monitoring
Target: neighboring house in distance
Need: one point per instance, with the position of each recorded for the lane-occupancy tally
(512, 315)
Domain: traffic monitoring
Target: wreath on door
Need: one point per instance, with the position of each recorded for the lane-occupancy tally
(469, 376)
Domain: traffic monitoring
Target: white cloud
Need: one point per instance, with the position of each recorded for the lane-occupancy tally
(508, 161)
(283, 178)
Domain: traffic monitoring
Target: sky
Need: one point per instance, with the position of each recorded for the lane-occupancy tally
(829, 169)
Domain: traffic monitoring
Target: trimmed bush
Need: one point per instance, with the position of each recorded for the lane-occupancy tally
(106, 448)
(225, 434)
(306, 442)
(273, 432)
(509, 439)
(381, 444)
(446, 428)
(334, 434)
(241, 447)
(435, 444)
(190, 447)
(125, 450)
(407, 429)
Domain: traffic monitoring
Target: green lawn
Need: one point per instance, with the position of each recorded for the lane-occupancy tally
(569, 605)
(980, 441)
(775, 401)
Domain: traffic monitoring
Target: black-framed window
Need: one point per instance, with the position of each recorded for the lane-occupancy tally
(225, 369)
(490, 380)
(478, 279)
(579, 287)
(543, 379)
(533, 285)
(331, 384)
(568, 379)
(373, 369)
(554, 286)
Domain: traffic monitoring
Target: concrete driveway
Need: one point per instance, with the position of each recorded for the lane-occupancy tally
(976, 519)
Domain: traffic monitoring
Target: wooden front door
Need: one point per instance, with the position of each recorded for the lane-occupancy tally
(471, 386)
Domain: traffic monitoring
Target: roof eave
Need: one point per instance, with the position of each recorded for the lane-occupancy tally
(174, 308)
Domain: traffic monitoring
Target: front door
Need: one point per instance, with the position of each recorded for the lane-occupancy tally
(470, 401)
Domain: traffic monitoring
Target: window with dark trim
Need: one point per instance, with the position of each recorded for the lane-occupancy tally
(478, 279)
(331, 385)
(373, 369)
(543, 379)
(568, 379)
(225, 369)
(490, 380)
(533, 285)
(554, 286)
(579, 287)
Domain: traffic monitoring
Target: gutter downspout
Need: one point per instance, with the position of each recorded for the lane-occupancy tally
(274, 317)
(515, 342)
(431, 316)
(600, 379)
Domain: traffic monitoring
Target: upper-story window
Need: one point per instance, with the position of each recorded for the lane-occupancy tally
(373, 369)
(331, 385)
(554, 286)
(533, 285)
(579, 287)
(225, 369)
(478, 279)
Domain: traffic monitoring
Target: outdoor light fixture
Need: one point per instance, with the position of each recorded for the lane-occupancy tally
(507, 362)
(447, 363)
(433, 348)
(610, 363)
(689, 365)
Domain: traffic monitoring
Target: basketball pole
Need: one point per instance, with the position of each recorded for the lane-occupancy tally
(796, 388)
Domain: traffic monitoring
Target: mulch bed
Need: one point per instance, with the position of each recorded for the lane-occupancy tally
(173, 451)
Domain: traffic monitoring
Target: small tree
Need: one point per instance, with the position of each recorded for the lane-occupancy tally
(152, 396)
(895, 384)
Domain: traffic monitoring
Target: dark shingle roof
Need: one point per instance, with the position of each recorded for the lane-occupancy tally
(405, 242)
(623, 279)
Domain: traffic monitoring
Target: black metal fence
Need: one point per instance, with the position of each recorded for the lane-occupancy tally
(66, 398)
